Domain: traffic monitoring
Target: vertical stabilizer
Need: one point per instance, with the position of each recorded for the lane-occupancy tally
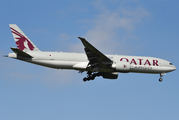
(22, 41)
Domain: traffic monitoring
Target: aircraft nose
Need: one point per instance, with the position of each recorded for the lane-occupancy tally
(174, 68)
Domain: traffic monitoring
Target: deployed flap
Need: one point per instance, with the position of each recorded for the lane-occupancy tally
(21, 53)
(95, 57)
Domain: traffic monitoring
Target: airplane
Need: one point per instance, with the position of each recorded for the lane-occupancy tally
(94, 62)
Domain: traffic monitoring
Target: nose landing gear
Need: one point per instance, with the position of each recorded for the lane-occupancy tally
(161, 75)
(160, 80)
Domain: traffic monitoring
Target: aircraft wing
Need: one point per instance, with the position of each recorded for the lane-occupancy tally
(97, 60)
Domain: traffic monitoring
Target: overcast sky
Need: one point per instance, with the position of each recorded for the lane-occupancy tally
(128, 27)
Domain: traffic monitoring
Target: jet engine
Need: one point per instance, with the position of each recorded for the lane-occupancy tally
(121, 67)
(107, 75)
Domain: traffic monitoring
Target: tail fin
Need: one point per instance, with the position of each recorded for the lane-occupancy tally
(22, 41)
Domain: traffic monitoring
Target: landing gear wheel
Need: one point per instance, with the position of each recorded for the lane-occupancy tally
(91, 76)
(160, 80)
(88, 78)
(84, 79)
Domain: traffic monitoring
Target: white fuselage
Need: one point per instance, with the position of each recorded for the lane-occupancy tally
(79, 61)
(93, 61)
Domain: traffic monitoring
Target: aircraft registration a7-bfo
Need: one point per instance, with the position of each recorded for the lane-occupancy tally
(94, 62)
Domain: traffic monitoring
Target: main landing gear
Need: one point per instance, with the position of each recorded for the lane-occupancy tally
(91, 76)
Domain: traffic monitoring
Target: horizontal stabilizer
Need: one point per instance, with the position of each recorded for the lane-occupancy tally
(21, 53)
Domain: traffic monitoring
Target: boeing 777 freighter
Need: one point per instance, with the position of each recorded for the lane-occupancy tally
(93, 62)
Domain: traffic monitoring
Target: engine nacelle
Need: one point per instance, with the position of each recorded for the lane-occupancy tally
(121, 66)
(108, 75)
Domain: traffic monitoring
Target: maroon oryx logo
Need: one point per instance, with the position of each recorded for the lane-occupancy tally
(125, 66)
(22, 40)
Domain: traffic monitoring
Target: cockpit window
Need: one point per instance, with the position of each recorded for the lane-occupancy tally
(171, 64)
